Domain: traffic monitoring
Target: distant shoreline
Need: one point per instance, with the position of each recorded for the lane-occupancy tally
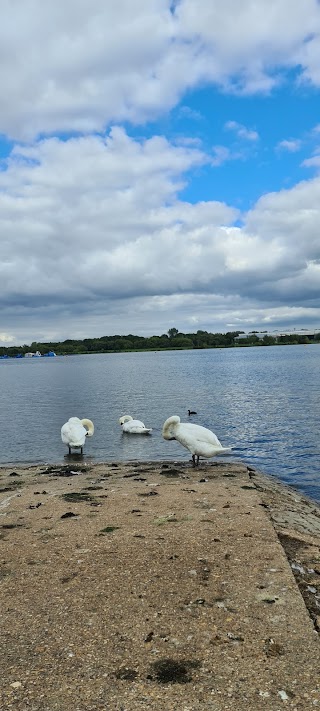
(158, 350)
(172, 340)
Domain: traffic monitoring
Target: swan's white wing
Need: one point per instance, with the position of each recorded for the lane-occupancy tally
(136, 423)
(132, 426)
(135, 427)
(73, 433)
(198, 433)
(206, 449)
(65, 433)
(139, 430)
(198, 440)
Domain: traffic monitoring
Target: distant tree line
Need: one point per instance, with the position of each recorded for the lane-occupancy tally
(168, 341)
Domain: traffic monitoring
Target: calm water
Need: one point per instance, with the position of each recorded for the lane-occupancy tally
(265, 402)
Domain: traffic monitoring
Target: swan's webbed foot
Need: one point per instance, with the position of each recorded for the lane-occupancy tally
(69, 448)
(195, 460)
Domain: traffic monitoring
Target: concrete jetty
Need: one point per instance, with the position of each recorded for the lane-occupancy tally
(153, 585)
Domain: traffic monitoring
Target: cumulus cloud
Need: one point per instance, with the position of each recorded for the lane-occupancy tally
(250, 44)
(95, 234)
(82, 65)
(223, 154)
(241, 131)
(289, 145)
(314, 161)
(96, 240)
(6, 338)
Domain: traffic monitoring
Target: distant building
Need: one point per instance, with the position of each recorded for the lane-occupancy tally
(311, 334)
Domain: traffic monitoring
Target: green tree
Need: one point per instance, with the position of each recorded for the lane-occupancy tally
(172, 332)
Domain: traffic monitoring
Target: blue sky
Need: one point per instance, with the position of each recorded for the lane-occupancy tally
(265, 164)
(159, 167)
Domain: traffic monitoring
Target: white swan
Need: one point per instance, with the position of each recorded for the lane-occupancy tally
(198, 440)
(75, 431)
(132, 426)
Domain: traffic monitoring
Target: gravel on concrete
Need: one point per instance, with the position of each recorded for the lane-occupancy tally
(153, 585)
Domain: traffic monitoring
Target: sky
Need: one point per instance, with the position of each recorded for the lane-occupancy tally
(159, 167)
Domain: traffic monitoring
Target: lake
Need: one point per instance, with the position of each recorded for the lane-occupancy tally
(262, 401)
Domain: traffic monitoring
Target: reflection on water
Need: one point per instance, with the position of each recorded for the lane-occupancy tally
(262, 401)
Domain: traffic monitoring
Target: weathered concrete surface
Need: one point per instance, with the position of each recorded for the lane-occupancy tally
(169, 589)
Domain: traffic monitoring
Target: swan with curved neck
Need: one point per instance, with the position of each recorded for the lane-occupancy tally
(200, 441)
(132, 426)
(75, 431)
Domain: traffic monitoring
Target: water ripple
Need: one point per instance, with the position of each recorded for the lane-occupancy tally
(265, 402)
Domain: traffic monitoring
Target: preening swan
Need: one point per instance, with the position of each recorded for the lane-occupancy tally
(75, 431)
(132, 426)
(198, 440)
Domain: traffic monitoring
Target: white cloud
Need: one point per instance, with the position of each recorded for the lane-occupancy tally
(81, 66)
(185, 112)
(95, 237)
(223, 154)
(249, 43)
(96, 240)
(290, 145)
(241, 131)
(313, 162)
(6, 338)
(188, 141)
